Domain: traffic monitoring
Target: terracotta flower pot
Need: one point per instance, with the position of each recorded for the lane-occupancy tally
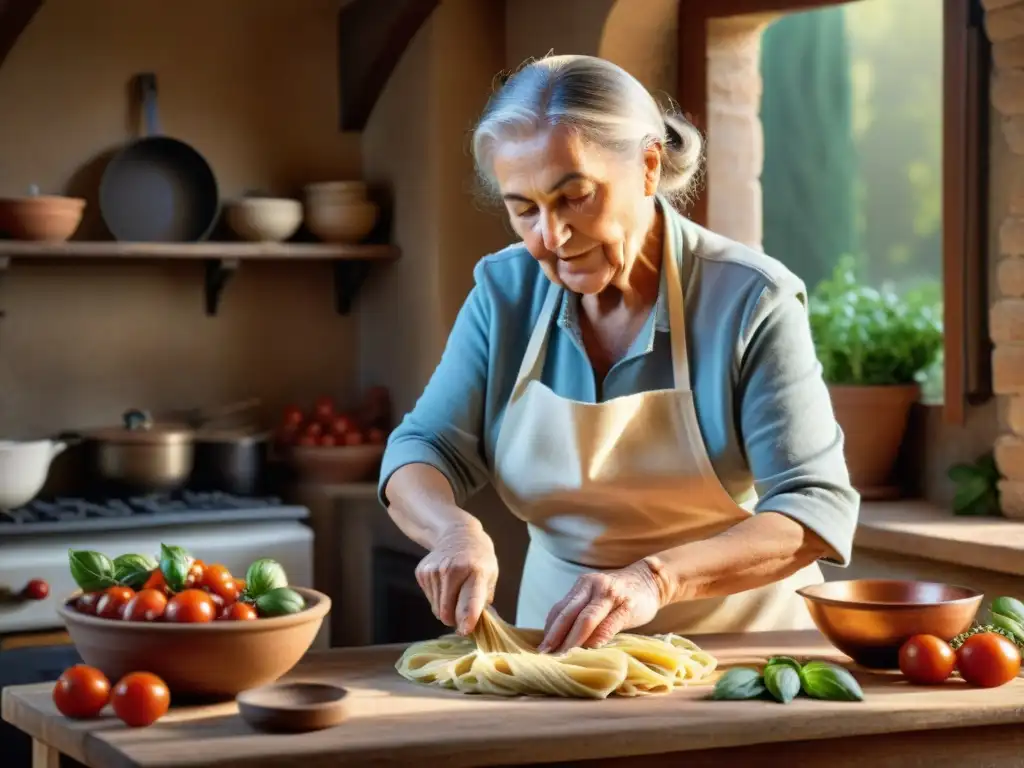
(874, 421)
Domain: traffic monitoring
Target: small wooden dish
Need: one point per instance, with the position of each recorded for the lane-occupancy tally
(293, 706)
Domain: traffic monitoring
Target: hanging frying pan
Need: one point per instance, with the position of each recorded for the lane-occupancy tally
(158, 189)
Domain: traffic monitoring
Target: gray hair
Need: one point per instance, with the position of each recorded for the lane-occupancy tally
(600, 100)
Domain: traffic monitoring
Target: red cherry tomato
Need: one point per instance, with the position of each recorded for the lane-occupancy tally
(292, 416)
(140, 699)
(112, 603)
(377, 436)
(926, 660)
(323, 409)
(239, 612)
(81, 691)
(146, 605)
(220, 582)
(308, 440)
(191, 606)
(354, 438)
(988, 660)
(86, 603)
(343, 424)
(36, 589)
(156, 581)
(328, 440)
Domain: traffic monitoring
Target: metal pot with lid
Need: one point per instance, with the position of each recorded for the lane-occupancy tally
(143, 455)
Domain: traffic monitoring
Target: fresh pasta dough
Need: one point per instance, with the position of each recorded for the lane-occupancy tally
(502, 660)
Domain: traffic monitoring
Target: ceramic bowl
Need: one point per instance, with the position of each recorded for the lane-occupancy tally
(339, 212)
(215, 660)
(264, 219)
(49, 218)
(336, 465)
(294, 706)
(869, 619)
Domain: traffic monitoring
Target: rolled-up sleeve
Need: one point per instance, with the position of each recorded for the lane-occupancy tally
(794, 444)
(444, 428)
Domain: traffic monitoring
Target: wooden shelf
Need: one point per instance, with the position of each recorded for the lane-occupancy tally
(221, 260)
(22, 249)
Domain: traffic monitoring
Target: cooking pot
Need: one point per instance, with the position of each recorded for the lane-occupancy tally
(232, 461)
(24, 467)
(142, 456)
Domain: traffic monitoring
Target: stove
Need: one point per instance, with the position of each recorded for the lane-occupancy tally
(72, 515)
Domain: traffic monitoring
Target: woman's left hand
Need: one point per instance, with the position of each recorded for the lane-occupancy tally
(600, 605)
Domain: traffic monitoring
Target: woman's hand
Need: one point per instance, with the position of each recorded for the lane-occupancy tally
(459, 575)
(600, 605)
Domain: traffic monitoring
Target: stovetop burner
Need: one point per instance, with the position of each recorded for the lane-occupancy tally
(66, 515)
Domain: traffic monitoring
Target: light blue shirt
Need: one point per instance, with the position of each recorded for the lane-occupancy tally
(764, 410)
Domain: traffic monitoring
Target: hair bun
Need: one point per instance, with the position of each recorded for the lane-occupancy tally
(672, 137)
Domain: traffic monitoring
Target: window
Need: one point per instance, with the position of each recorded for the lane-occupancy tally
(887, 169)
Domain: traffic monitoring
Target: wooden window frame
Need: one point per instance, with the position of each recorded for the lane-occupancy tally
(966, 57)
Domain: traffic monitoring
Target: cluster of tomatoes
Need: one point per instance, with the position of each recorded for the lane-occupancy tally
(138, 699)
(211, 592)
(985, 660)
(327, 426)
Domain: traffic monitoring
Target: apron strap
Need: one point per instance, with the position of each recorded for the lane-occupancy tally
(672, 253)
(537, 347)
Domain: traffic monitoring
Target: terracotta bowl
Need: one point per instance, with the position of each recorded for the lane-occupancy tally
(869, 619)
(264, 219)
(336, 465)
(216, 660)
(49, 218)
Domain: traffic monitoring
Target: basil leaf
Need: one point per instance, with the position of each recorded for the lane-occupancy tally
(1009, 607)
(822, 680)
(174, 565)
(92, 571)
(279, 602)
(263, 576)
(133, 570)
(782, 681)
(785, 660)
(738, 684)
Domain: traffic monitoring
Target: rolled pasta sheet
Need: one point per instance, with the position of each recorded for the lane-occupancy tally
(501, 660)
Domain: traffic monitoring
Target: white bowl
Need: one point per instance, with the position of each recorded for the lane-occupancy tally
(24, 466)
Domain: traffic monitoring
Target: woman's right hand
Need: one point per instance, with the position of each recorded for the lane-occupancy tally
(459, 575)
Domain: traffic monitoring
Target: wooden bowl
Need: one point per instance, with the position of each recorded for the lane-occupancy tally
(218, 659)
(869, 619)
(49, 218)
(294, 706)
(336, 465)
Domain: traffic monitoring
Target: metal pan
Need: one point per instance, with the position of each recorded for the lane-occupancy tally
(158, 189)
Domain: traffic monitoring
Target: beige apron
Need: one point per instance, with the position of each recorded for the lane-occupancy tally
(602, 485)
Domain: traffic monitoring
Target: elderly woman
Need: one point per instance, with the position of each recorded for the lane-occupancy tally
(642, 392)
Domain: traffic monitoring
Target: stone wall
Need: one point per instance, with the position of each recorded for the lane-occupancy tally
(1004, 24)
(735, 155)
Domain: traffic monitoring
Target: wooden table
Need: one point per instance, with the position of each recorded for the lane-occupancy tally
(397, 723)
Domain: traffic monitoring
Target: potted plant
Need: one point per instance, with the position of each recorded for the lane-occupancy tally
(874, 347)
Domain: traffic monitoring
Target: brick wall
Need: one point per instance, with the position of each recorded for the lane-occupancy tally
(1004, 24)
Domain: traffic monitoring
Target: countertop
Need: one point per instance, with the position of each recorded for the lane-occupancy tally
(394, 722)
(921, 529)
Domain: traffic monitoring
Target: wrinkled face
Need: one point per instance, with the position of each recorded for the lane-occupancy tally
(581, 210)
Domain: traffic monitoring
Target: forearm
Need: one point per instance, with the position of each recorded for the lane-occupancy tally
(422, 504)
(754, 553)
